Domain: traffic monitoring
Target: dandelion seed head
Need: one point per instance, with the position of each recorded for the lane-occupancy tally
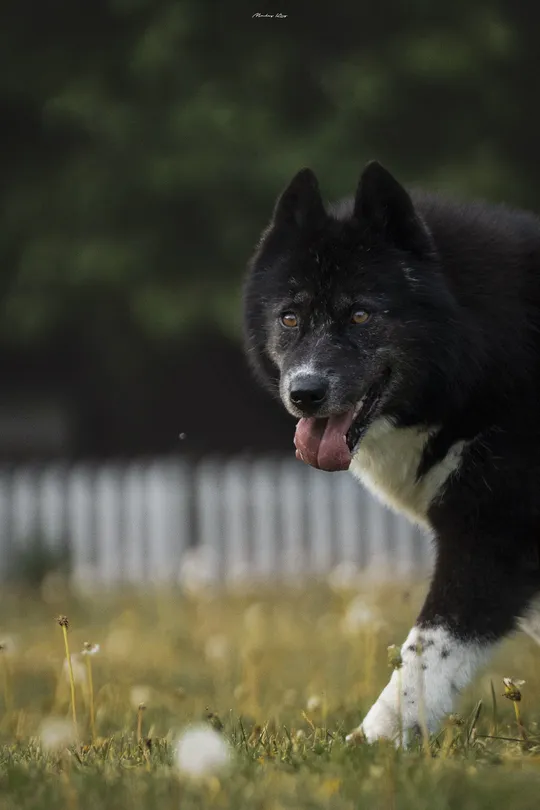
(241, 691)
(290, 697)
(202, 751)
(359, 615)
(63, 621)
(344, 577)
(217, 649)
(56, 733)
(198, 570)
(512, 688)
(90, 649)
(78, 669)
(140, 696)
(314, 703)
(510, 682)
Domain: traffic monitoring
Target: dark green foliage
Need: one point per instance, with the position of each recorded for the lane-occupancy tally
(143, 142)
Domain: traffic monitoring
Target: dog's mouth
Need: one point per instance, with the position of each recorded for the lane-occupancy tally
(329, 443)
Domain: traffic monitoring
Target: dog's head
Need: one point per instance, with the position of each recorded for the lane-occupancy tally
(347, 315)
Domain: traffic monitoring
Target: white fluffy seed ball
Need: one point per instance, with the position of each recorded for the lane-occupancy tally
(201, 751)
(56, 733)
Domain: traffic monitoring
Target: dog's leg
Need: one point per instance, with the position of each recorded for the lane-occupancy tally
(475, 596)
(530, 623)
(437, 664)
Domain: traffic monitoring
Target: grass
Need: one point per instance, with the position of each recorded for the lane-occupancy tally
(283, 675)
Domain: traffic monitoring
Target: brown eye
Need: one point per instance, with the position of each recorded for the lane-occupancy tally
(359, 317)
(289, 319)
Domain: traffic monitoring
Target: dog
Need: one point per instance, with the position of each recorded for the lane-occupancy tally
(402, 330)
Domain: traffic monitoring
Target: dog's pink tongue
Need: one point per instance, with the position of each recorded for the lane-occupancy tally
(322, 442)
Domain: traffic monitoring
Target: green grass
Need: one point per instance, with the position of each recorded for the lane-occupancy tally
(282, 676)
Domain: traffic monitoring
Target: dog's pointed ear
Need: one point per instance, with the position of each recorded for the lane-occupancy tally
(300, 205)
(385, 208)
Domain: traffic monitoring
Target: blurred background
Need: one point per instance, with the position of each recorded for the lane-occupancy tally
(143, 143)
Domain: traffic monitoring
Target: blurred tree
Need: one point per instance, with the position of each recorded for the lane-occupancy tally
(144, 141)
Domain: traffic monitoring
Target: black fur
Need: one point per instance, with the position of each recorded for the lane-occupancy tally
(453, 290)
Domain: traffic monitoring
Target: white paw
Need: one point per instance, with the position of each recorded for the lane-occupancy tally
(436, 666)
(380, 722)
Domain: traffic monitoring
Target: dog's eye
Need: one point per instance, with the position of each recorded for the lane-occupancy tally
(360, 316)
(289, 319)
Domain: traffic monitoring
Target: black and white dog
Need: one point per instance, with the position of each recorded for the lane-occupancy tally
(403, 332)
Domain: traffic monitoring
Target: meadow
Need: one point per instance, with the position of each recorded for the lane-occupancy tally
(274, 677)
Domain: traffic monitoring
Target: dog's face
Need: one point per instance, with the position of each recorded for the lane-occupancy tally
(343, 313)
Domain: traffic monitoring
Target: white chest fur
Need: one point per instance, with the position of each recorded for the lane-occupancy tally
(386, 463)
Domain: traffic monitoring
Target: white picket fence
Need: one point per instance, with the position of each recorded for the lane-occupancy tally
(260, 518)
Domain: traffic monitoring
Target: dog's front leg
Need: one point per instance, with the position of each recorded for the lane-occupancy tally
(475, 597)
(436, 665)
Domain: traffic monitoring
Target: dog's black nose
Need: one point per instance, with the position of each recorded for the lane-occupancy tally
(308, 391)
